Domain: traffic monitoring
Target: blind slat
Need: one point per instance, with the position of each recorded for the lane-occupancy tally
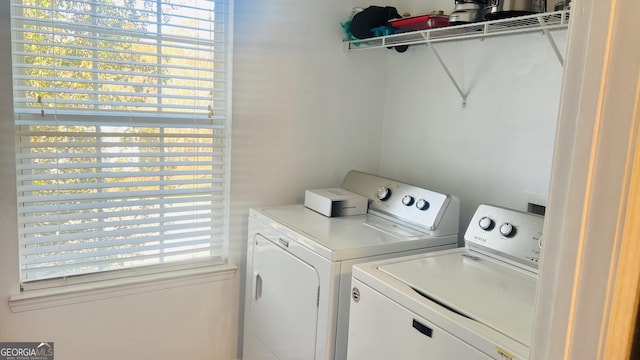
(63, 208)
(85, 117)
(116, 176)
(119, 195)
(97, 264)
(149, 236)
(200, 74)
(142, 231)
(74, 246)
(124, 213)
(127, 251)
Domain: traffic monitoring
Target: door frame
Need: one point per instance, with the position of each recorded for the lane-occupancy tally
(588, 289)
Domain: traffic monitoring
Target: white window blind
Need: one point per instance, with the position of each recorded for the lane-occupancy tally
(122, 125)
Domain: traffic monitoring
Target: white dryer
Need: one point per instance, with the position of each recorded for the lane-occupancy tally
(475, 302)
(299, 263)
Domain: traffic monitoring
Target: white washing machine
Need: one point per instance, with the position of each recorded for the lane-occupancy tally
(299, 262)
(475, 302)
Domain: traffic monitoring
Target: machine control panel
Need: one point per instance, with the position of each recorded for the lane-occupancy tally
(410, 205)
(507, 233)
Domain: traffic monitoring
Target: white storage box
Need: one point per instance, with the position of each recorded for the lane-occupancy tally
(335, 202)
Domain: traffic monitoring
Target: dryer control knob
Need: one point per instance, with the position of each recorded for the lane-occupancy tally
(486, 223)
(507, 230)
(384, 193)
(407, 200)
(422, 204)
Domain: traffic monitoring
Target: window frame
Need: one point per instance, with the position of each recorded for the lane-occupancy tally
(158, 272)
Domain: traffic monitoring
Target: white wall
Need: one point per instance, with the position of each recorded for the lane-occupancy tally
(499, 148)
(305, 112)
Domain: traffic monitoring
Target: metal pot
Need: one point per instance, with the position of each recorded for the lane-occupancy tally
(499, 9)
(466, 13)
(562, 5)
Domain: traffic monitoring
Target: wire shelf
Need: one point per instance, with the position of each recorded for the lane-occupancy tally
(522, 24)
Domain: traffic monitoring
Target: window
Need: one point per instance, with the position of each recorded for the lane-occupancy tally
(122, 131)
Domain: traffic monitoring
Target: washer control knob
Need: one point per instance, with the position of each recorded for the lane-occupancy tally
(507, 230)
(486, 223)
(408, 200)
(422, 204)
(384, 193)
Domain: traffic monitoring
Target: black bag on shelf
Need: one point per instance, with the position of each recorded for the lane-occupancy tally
(370, 18)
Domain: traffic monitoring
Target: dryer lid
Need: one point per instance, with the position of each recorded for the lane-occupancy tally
(347, 237)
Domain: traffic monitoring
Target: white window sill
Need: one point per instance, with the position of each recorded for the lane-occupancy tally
(77, 293)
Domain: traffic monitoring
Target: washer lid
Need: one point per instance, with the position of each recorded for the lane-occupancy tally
(496, 295)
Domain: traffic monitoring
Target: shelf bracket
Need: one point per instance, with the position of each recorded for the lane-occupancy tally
(463, 95)
(551, 41)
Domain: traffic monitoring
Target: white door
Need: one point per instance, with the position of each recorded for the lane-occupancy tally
(284, 303)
